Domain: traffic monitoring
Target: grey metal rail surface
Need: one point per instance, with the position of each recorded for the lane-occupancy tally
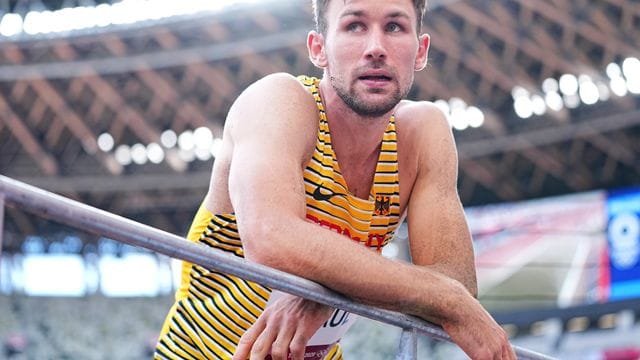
(100, 222)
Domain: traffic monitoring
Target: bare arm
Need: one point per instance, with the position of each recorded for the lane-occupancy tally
(270, 137)
(439, 237)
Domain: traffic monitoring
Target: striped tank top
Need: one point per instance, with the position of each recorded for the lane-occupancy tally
(213, 309)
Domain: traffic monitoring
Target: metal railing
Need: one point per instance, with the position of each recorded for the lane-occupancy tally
(58, 208)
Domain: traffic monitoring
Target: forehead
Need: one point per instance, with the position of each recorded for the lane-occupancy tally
(340, 8)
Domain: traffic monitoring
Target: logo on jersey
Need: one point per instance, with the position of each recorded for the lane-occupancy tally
(382, 205)
(320, 196)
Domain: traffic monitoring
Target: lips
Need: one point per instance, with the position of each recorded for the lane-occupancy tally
(375, 77)
(375, 74)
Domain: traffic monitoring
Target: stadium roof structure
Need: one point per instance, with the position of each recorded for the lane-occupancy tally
(542, 95)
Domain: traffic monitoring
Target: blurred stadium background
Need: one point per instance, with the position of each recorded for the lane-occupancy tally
(121, 104)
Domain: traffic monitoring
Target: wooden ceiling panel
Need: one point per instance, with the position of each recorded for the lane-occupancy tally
(58, 94)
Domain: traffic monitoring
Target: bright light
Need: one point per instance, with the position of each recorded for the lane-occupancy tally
(102, 15)
(523, 107)
(54, 275)
(604, 91)
(32, 22)
(519, 91)
(155, 153)
(123, 155)
(185, 140)
(631, 70)
(457, 103)
(202, 139)
(613, 71)
(589, 93)
(619, 86)
(105, 142)
(168, 139)
(11, 24)
(634, 85)
(124, 12)
(459, 118)
(203, 154)
(139, 154)
(550, 85)
(568, 84)
(475, 117)
(443, 105)
(128, 275)
(554, 101)
(538, 105)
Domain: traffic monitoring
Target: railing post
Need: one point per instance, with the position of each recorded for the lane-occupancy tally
(96, 221)
(408, 349)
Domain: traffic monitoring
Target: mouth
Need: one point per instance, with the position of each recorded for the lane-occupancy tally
(375, 78)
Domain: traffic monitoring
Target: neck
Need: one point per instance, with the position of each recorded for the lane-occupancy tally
(363, 134)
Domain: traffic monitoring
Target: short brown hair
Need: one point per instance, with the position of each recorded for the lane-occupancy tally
(320, 9)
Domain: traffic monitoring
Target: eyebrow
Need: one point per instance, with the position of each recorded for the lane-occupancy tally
(360, 13)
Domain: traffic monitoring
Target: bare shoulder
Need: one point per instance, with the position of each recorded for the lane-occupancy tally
(275, 94)
(276, 107)
(423, 128)
(421, 118)
(425, 142)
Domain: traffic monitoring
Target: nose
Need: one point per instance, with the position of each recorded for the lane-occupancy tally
(375, 46)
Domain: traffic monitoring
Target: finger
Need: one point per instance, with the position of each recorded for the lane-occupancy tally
(280, 347)
(248, 338)
(262, 344)
(298, 345)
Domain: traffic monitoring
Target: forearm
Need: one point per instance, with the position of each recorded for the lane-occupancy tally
(351, 269)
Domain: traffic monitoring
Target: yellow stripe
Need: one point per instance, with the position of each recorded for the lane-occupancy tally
(193, 332)
(224, 299)
(213, 338)
(178, 346)
(243, 293)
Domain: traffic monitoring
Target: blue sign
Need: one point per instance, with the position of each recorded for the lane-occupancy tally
(623, 237)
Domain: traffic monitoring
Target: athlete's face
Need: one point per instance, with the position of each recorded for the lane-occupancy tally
(371, 50)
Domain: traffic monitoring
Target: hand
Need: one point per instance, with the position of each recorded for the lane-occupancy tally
(477, 333)
(283, 327)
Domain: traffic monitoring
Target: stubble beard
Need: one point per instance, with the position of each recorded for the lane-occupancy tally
(365, 108)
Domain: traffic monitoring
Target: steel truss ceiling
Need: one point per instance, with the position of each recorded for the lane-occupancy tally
(58, 94)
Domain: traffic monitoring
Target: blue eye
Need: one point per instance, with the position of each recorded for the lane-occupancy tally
(393, 27)
(355, 26)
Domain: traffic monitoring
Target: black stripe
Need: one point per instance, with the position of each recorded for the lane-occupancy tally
(216, 237)
(232, 230)
(203, 332)
(231, 292)
(183, 334)
(230, 218)
(228, 277)
(172, 354)
(198, 293)
(205, 318)
(319, 174)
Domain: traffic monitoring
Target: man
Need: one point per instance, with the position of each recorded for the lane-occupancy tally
(310, 171)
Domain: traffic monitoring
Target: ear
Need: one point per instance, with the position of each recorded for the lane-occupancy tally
(423, 52)
(315, 46)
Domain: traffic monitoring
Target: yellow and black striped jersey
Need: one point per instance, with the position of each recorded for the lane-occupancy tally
(213, 309)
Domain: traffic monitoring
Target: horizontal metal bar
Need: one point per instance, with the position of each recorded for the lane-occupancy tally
(100, 222)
